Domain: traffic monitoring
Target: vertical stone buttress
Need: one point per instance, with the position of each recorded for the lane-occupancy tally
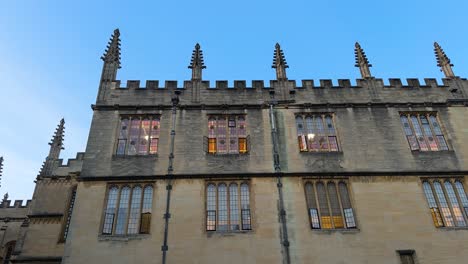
(279, 63)
(111, 64)
(56, 145)
(197, 65)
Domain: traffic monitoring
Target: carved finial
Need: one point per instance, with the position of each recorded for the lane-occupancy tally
(362, 62)
(279, 63)
(1, 169)
(443, 61)
(5, 198)
(197, 63)
(56, 145)
(112, 53)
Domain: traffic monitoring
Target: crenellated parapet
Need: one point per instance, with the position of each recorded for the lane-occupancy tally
(256, 92)
(7, 204)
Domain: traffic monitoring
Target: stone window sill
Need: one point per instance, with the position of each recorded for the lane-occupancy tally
(449, 228)
(341, 230)
(123, 238)
(227, 233)
(117, 157)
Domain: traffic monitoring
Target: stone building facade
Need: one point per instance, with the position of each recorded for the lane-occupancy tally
(284, 172)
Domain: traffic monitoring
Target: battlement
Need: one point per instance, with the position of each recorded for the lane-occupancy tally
(6, 204)
(303, 84)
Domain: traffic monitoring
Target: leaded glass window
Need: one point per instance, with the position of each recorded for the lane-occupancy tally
(329, 204)
(228, 207)
(128, 210)
(423, 131)
(227, 134)
(316, 132)
(138, 135)
(447, 201)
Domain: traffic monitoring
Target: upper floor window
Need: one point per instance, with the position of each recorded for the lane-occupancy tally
(448, 202)
(138, 135)
(228, 206)
(316, 132)
(329, 205)
(423, 131)
(227, 134)
(128, 210)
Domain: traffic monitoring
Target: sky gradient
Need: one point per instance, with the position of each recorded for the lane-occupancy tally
(50, 54)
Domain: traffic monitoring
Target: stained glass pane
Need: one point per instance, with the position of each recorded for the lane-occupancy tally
(110, 210)
(330, 126)
(123, 211)
(154, 136)
(133, 138)
(419, 133)
(242, 127)
(134, 217)
(406, 125)
(429, 195)
(312, 142)
(323, 203)
(310, 195)
(428, 133)
(447, 215)
(314, 218)
(222, 207)
(461, 193)
(335, 205)
(457, 211)
(222, 132)
(146, 209)
(211, 127)
(144, 137)
(211, 207)
(242, 145)
(245, 206)
(123, 133)
(212, 145)
(299, 125)
(233, 139)
(233, 207)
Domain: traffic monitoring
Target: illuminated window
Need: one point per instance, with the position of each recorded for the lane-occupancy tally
(316, 132)
(423, 131)
(223, 212)
(447, 201)
(138, 135)
(128, 210)
(329, 205)
(227, 135)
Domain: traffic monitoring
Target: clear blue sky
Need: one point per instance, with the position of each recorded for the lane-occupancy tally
(50, 50)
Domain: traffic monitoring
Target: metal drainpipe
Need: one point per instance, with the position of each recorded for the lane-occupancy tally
(279, 184)
(170, 169)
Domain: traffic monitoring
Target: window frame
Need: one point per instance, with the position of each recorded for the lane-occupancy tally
(119, 187)
(240, 210)
(442, 181)
(66, 220)
(326, 133)
(343, 210)
(214, 139)
(141, 117)
(427, 115)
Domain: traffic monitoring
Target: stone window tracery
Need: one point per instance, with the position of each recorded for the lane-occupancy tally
(447, 202)
(423, 131)
(316, 132)
(329, 204)
(222, 207)
(128, 210)
(227, 135)
(138, 135)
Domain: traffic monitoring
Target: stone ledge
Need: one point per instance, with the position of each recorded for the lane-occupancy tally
(122, 238)
(228, 233)
(332, 231)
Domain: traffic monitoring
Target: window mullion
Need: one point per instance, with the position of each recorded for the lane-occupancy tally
(116, 211)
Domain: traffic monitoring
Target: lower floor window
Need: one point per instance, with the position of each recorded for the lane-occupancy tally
(128, 210)
(329, 205)
(447, 201)
(228, 206)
